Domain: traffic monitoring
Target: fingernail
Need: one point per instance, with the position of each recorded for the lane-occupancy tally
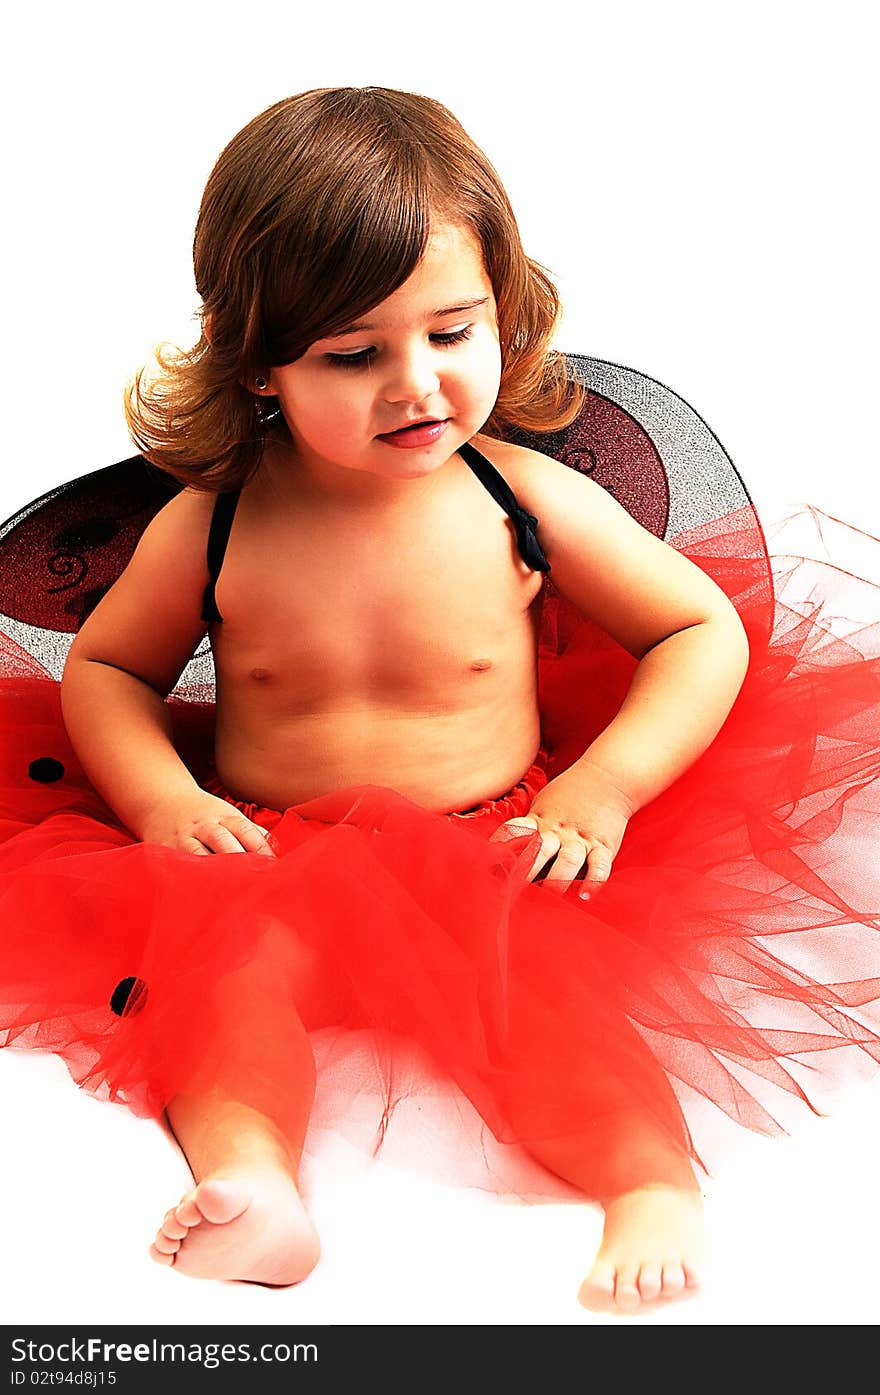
(584, 895)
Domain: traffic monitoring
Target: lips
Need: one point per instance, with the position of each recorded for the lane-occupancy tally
(409, 425)
(423, 433)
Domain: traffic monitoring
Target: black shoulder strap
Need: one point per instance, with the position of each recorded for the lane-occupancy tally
(218, 537)
(524, 522)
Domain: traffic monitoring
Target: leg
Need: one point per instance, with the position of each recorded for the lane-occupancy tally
(651, 1242)
(245, 1218)
(592, 1104)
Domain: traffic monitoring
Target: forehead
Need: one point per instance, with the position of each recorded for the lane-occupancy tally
(451, 268)
(453, 243)
(451, 273)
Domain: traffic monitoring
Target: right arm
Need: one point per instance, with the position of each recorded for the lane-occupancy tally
(121, 666)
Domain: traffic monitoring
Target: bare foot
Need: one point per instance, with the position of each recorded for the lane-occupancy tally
(247, 1225)
(651, 1249)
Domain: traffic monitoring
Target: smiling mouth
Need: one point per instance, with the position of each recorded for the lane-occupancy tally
(413, 425)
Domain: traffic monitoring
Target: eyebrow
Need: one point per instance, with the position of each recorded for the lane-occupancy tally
(447, 310)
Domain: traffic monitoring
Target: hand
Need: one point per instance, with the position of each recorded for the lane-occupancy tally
(581, 817)
(202, 823)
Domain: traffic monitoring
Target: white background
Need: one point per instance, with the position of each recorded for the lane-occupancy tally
(699, 180)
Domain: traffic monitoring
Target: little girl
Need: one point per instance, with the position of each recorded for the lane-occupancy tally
(495, 770)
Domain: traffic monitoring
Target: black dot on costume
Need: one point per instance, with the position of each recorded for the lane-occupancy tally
(129, 996)
(46, 769)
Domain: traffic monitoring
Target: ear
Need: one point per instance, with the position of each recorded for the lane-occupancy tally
(251, 387)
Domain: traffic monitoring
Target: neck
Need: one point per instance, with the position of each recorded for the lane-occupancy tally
(292, 474)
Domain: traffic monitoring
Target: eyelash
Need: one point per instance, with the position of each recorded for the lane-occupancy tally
(358, 360)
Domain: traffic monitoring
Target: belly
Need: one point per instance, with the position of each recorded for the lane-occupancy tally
(446, 759)
(442, 765)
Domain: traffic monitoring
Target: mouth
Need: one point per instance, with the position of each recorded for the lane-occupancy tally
(412, 425)
(415, 435)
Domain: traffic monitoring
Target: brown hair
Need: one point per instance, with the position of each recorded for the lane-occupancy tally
(314, 213)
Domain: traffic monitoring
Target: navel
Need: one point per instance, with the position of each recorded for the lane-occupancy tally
(261, 673)
(480, 665)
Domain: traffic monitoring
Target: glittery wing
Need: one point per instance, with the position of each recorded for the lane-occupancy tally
(61, 553)
(647, 447)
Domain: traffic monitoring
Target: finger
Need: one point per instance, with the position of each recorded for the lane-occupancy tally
(522, 827)
(219, 839)
(569, 861)
(193, 845)
(599, 861)
(254, 837)
(550, 845)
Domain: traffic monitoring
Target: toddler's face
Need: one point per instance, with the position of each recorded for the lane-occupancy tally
(345, 392)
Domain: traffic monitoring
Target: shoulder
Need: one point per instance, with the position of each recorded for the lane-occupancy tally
(500, 453)
(185, 518)
(544, 486)
(174, 544)
(633, 584)
(194, 504)
(529, 469)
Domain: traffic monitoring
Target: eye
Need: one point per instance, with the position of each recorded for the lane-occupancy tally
(455, 336)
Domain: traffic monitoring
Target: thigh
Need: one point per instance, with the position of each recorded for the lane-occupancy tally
(290, 970)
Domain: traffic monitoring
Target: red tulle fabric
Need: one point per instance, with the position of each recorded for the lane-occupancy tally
(729, 967)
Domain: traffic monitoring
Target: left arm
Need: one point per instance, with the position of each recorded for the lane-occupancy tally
(670, 615)
(679, 696)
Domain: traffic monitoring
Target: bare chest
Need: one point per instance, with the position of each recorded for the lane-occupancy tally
(426, 615)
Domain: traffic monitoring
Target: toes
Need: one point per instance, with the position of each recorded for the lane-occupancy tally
(693, 1277)
(221, 1202)
(159, 1257)
(172, 1227)
(165, 1245)
(673, 1279)
(629, 1288)
(650, 1282)
(597, 1290)
(216, 1201)
(188, 1213)
(626, 1292)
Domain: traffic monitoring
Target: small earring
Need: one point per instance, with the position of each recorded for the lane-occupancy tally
(262, 383)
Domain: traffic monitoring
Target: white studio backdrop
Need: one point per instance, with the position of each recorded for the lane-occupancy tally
(698, 181)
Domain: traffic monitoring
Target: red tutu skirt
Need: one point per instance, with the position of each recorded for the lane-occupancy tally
(729, 967)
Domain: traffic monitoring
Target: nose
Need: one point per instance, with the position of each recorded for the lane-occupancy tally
(413, 376)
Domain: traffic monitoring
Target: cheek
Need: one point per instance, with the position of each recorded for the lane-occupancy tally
(488, 368)
(490, 350)
(325, 396)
